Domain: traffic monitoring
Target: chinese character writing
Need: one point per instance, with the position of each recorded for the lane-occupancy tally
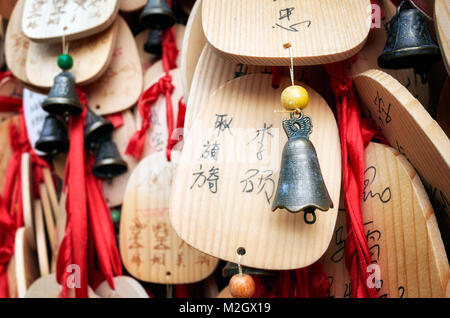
(259, 181)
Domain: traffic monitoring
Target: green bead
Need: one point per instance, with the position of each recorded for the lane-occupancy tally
(115, 215)
(65, 61)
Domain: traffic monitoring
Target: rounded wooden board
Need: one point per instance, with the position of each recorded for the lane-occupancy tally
(26, 263)
(6, 8)
(27, 199)
(11, 278)
(402, 230)
(442, 25)
(41, 241)
(225, 293)
(5, 145)
(16, 44)
(151, 250)
(124, 287)
(411, 130)
(367, 58)
(11, 86)
(50, 21)
(193, 43)
(147, 59)
(211, 72)
(218, 218)
(442, 113)
(131, 5)
(48, 216)
(320, 31)
(121, 85)
(114, 190)
(91, 57)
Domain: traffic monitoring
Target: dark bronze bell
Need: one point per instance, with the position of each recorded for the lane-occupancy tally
(409, 42)
(153, 44)
(300, 186)
(231, 269)
(53, 138)
(109, 163)
(63, 96)
(157, 15)
(96, 128)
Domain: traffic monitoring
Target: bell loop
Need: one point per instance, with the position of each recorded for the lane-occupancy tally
(314, 218)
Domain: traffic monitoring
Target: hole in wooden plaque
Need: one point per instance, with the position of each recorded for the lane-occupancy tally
(97, 107)
(168, 274)
(241, 251)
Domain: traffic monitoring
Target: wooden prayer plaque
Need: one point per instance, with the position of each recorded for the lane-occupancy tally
(254, 31)
(131, 5)
(26, 264)
(114, 190)
(228, 173)
(91, 57)
(411, 130)
(121, 85)
(124, 287)
(5, 145)
(367, 58)
(193, 43)
(27, 199)
(442, 24)
(151, 250)
(50, 21)
(48, 216)
(402, 231)
(41, 241)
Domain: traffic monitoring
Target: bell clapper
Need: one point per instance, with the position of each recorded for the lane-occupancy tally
(241, 285)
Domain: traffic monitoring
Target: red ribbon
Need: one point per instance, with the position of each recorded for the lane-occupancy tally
(116, 119)
(180, 124)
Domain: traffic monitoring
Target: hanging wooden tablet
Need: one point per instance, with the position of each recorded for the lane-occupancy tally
(11, 278)
(49, 21)
(411, 130)
(131, 5)
(41, 241)
(193, 43)
(121, 85)
(34, 116)
(124, 287)
(91, 57)
(16, 44)
(26, 263)
(151, 250)
(51, 191)
(442, 24)
(367, 58)
(442, 114)
(48, 216)
(402, 231)
(5, 145)
(114, 190)
(11, 86)
(6, 8)
(27, 199)
(211, 72)
(253, 32)
(223, 195)
(157, 134)
(147, 60)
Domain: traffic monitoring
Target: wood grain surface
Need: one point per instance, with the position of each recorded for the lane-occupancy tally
(442, 25)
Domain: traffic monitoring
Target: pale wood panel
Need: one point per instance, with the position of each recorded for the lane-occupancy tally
(254, 31)
(131, 5)
(5, 145)
(41, 241)
(114, 190)
(150, 249)
(91, 58)
(51, 191)
(219, 220)
(48, 216)
(402, 230)
(442, 113)
(211, 72)
(27, 199)
(17, 44)
(367, 58)
(25, 261)
(442, 25)
(411, 130)
(11, 278)
(192, 47)
(49, 21)
(121, 85)
(124, 287)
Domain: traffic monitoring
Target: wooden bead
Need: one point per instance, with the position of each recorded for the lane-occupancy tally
(242, 286)
(294, 97)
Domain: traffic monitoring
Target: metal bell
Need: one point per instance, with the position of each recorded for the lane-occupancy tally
(409, 43)
(96, 127)
(63, 96)
(153, 44)
(109, 163)
(53, 138)
(300, 186)
(231, 269)
(157, 15)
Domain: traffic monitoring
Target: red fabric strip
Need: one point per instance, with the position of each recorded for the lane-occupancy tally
(116, 119)
(10, 104)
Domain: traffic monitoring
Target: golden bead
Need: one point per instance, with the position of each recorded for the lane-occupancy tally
(242, 286)
(294, 97)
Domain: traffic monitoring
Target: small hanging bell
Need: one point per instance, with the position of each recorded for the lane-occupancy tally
(153, 44)
(157, 15)
(53, 138)
(231, 269)
(109, 163)
(63, 96)
(96, 128)
(409, 42)
(300, 186)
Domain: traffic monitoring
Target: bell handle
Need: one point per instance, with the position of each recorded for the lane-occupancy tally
(314, 218)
